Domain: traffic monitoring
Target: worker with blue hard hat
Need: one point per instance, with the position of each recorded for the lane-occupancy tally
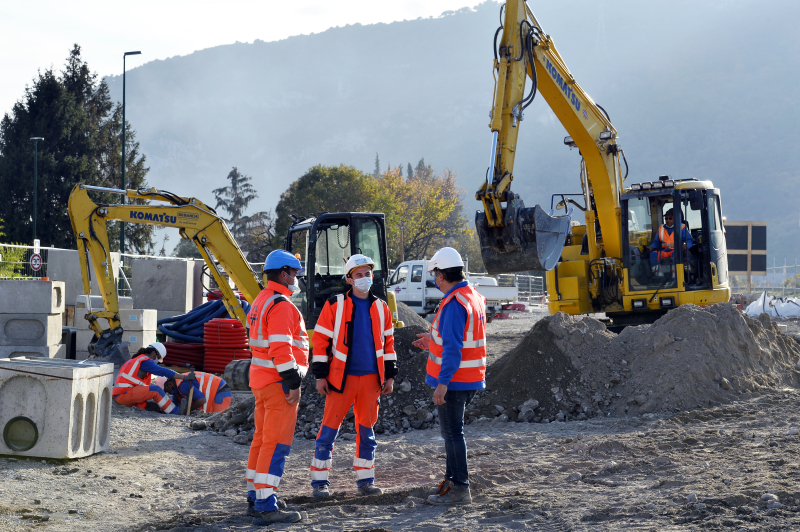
(279, 343)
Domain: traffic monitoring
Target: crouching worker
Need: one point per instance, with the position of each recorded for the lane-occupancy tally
(279, 343)
(133, 385)
(211, 393)
(354, 363)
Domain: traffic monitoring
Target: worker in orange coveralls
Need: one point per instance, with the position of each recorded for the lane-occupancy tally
(279, 343)
(133, 385)
(354, 363)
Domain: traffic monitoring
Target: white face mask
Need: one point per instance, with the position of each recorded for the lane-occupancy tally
(294, 288)
(363, 284)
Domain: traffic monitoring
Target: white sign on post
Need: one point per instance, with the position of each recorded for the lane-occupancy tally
(36, 245)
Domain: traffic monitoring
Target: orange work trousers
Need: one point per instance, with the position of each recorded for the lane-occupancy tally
(363, 394)
(275, 421)
(139, 395)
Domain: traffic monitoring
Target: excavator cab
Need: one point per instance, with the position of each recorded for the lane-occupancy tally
(324, 244)
(654, 254)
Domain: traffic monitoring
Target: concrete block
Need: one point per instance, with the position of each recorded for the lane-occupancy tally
(163, 284)
(31, 297)
(64, 265)
(135, 339)
(30, 329)
(55, 408)
(33, 351)
(132, 320)
(97, 302)
(81, 355)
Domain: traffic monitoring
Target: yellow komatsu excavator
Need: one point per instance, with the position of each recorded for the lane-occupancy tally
(625, 259)
(325, 240)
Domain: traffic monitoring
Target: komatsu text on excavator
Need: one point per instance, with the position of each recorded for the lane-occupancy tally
(323, 241)
(628, 259)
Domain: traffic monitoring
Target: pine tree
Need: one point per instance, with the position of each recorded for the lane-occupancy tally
(234, 199)
(410, 171)
(377, 173)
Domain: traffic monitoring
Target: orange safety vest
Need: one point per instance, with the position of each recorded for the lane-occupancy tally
(278, 337)
(473, 352)
(129, 376)
(209, 384)
(667, 242)
(330, 326)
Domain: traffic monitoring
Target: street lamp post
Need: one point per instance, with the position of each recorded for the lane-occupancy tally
(122, 225)
(35, 178)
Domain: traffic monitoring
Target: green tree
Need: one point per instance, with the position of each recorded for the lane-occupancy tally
(234, 200)
(376, 174)
(409, 172)
(186, 249)
(75, 115)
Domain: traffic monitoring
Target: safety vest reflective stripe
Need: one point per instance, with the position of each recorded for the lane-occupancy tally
(390, 356)
(264, 309)
(388, 332)
(365, 473)
(319, 475)
(481, 362)
(206, 381)
(162, 404)
(337, 327)
(321, 464)
(128, 375)
(264, 493)
(319, 329)
(667, 240)
(270, 364)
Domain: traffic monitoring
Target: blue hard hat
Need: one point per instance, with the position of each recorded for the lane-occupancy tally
(281, 258)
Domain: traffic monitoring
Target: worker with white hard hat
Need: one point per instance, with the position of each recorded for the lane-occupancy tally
(456, 366)
(134, 387)
(279, 343)
(354, 362)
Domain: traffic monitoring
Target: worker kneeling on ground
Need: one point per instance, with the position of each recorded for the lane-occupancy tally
(211, 393)
(664, 242)
(279, 344)
(456, 367)
(133, 386)
(354, 363)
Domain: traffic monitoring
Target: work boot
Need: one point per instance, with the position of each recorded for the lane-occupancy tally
(441, 488)
(251, 507)
(275, 516)
(452, 496)
(321, 492)
(369, 489)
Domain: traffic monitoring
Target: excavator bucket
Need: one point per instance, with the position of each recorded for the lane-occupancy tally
(531, 239)
(110, 348)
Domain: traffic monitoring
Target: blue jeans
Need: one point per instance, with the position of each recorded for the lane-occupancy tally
(451, 422)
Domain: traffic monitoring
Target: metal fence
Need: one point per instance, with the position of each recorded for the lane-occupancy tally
(15, 262)
(780, 281)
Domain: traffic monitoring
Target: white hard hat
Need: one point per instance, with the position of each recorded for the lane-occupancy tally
(159, 347)
(445, 258)
(358, 260)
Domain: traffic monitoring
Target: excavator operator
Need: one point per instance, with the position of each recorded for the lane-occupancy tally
(664, 242)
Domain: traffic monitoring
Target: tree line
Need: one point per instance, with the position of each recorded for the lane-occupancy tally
(82, 127)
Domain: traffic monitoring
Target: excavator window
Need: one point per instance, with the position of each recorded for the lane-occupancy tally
(648, 269)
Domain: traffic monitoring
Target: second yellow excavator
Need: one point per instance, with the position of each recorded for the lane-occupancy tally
(642, 248)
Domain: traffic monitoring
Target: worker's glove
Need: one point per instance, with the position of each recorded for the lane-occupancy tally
(189, 376)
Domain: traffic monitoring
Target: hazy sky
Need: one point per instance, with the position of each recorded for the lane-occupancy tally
(39, 35)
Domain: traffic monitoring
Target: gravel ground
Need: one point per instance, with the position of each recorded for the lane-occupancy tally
(731, 467)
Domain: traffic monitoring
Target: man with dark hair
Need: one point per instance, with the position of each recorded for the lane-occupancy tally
(456, 367)
(279, 343)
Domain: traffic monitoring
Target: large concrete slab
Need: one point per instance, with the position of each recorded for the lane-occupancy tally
(32, 297)
(33, 351)
(163, 284)
(135, 339)
(30, 329)
(132, 319)
(64, 265)
(59, 408)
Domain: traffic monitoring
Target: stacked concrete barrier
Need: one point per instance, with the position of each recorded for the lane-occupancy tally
(139, 326)
(54, 408)
(30, 319)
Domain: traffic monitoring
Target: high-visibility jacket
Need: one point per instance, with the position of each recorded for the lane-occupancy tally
(129, 376)
(333, 337)
(210, 384)
(278, 338)
(667, 243)
(473, 353)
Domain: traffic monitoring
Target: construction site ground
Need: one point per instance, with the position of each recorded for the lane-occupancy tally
(728, 466)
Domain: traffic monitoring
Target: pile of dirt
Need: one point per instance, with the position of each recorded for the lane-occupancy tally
(409, 407)
(410, 318)
(567, 368)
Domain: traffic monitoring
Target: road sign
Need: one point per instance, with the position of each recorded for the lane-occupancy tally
(36, 262)
(36, 245)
